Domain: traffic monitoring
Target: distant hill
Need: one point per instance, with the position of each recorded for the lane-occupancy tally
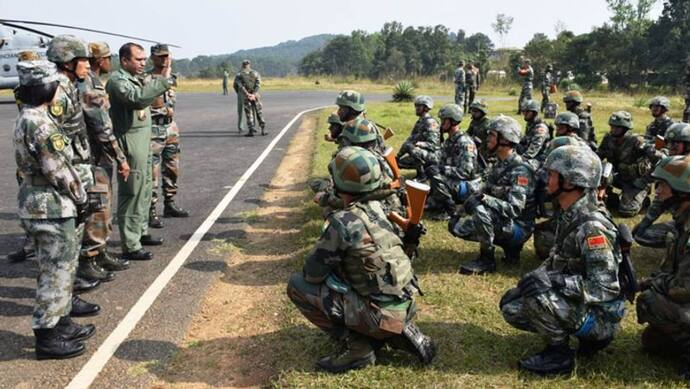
(279, 60)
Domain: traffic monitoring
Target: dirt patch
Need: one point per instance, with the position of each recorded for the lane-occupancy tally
(228, 343)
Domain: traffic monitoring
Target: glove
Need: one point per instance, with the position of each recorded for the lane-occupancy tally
(643, 225)
(464, 191)
(557, 279)
(534, 283)
(82, 212)
(473, 202)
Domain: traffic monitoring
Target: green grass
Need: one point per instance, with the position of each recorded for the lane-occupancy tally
(476, 347)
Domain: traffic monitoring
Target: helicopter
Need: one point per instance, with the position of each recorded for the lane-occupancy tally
(15, 37)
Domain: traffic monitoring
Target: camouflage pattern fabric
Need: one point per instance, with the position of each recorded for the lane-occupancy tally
(67, 110)
(533, 144)
(586, 130)
(686, 109)
(248, 81)
(98, 226)
(657, 127)
(422, 147)
(589, 304)
(458, 163)
(526, 91)
(471, 83)
(546, 81)
(480, 128)
(460, 80)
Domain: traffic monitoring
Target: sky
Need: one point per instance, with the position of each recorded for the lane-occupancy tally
(205, 27)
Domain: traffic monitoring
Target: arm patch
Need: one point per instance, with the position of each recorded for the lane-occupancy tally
(522, 181)
(596, 242)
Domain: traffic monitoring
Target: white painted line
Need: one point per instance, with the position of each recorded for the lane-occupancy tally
(100, 358)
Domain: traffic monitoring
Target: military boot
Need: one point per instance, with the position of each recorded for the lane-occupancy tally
(20, 255)
(250, 133)
(263, 129)
(81, 285)
(485, 263)
(512, 254)
(356, 354)
(415, 342)
(154, 220)
(73, 331)
(172, 210)
(554, 359)
(81, 308)
(108, 262)
(89, 270)
(50, 344)
(590, 347)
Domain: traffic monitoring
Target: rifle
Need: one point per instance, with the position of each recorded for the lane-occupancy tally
(480, 158)
(416, 194)
(626, 271)
(393, 164)
(389, 133)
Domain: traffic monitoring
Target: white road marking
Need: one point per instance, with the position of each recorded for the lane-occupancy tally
(100, 358)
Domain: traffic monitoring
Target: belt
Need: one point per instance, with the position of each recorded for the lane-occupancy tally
(161, 120)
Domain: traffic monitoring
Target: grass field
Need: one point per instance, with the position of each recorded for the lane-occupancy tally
(476, 347)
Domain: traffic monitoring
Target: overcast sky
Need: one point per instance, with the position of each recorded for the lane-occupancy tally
(220, 27)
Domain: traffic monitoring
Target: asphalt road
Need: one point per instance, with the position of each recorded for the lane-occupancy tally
(214, 156)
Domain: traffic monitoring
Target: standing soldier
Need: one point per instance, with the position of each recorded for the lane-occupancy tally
(478, 74)
(130, 99)
(422, 147)
(165, 144)
(479, 130)
(546, 82)
(470, 85)
(659, 106)
(52, 202)
(460, 81)
(527, 74)
(247, 84)
(101, 66)
(576, 291)
(573, 102)
(502, 211)
(225, 82)
(532, 146)
(358, 284)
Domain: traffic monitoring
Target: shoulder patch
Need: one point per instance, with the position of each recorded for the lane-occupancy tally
(57, 141)
(57, 109)
(522, 181)
(471, 147)
(596, 242)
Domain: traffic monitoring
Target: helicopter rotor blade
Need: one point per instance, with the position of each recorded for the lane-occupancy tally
(18, 27)
(5, 21)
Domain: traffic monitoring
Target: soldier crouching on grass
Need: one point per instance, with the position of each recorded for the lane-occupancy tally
(357, 283)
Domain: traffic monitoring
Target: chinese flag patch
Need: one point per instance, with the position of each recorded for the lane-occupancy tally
(596, 242)
(522, 181)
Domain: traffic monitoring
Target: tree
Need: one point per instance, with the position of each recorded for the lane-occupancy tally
(559, 27)
(502, 27)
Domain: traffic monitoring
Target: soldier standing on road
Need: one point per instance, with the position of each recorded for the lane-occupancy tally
(52, 202)
(422, 147)
(659, 106)
(226, 75)
(573, 102)
(165, 144)
(527, 74)
(546, 82)
(130, 101)
(460, 80)
(358, 284)
(576, 291)
(247, 84)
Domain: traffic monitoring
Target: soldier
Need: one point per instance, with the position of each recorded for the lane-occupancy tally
(576, 291)
(460, 80)
(647, 233)
(101, 65)
(546, 82)
(527, 74)
(357, 283)
(632, 160)
(686, 110)
(52, 201)
(247, 84)
(225, 82)
(658, 106)
(502, 211)
(422, 147)
(471, 82)
(351, 106)
(165, 144)
(479, 130)
(458, 162)
(335, 128)
(532, 146)
(573, 100)
(130, 112)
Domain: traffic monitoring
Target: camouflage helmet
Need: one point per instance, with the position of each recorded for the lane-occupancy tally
(573, 95)
(333, 118)
(359, 131)
(661, 101)
(569, 119)
(452, 112)
(480, 105)
(531, 105)
(352, 99)
(160, 49)
(578, 165)
(621, 119)
(355, 170)
(99, 50)
(678, 132)
(564, 140)
(424, 100)
(675, 171)
(36, 72)
(64, 48)
(507, 127)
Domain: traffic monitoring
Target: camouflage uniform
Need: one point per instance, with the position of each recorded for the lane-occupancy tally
(546, 81)
(533, 144)
(248, 81)
(422, 147)
(460, 80)
(661, 123)
(686, 110)
(479, 128)
(48, 199)
(526, 91)
(586, 130)
(471, 84)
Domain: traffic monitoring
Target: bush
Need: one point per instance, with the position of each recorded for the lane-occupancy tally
(512, 92)
(403, 91)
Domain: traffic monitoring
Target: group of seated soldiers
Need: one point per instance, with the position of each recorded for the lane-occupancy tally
(492, 182)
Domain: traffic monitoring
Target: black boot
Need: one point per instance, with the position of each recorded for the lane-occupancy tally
(89, 270)
(554, 359)
(108, 262)
(73, 331)
(20, 255)
(590, 347)
(172, 210)
(415, 342)
(81, 285)
(485, 263)
(148, 240)
(263, 129)
(356, 354)
(154, 220)
(138, 255)
(512, 254)
(51, 345)
(81, 308)
(250, 132)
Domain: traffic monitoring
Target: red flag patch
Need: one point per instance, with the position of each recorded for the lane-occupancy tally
(522, 181)
(596, 242)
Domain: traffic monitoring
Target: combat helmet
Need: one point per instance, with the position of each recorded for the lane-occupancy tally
(531, 105)
(576, 164)
(675, 171)
(569, 119)
(661, 101)
(36, 72)
(452, 112)
(64, 48)
(99, 50)
(355, 170)
(564, 140)
(573, 95)
(424, 100)
(678, 132)
(359, 131)
(352, 99)
(480, 105)
(507, 127)
(621, 119)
